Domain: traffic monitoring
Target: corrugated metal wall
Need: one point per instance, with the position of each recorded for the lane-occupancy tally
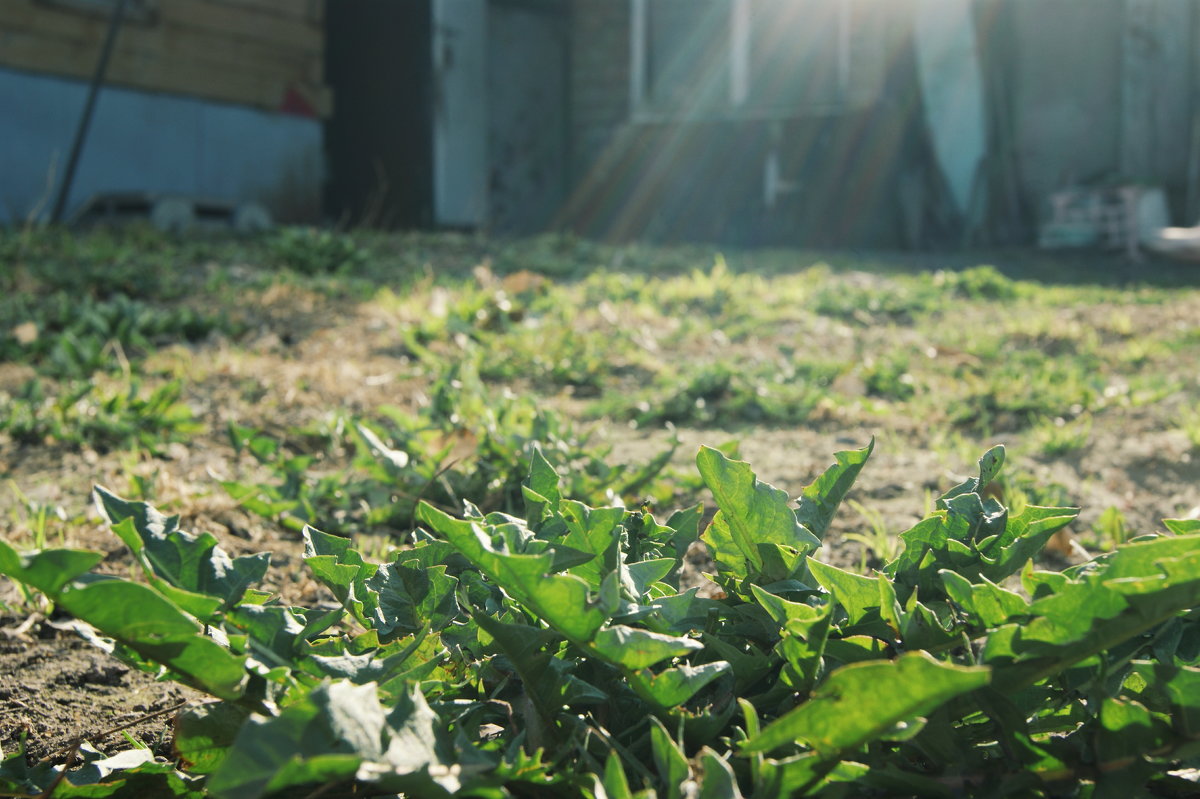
(142, 141)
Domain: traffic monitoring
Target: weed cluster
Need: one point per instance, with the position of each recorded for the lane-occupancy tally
(465, 443)
(551, 651)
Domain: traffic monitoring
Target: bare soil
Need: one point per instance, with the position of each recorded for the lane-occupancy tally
(57, 690)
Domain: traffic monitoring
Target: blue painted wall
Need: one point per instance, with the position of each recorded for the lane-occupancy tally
(142, 141)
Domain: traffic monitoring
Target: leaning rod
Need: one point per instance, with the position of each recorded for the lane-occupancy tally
(85, 120)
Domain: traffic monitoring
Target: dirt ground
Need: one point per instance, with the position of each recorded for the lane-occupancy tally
(307, 356)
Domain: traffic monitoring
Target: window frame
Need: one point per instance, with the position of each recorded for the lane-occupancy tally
(738, 105)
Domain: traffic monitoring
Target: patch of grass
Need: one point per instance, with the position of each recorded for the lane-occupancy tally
(726, 394)
(67, 337)
(1010, 398)
(1056, 438)
(313, 251)
(984, 283)
(1110, 528)
(37, 519)
(875, 301)
(1189, 423)
(467, 441)
(136, 261)
(83, 414)
(889, 378)
(882, 546)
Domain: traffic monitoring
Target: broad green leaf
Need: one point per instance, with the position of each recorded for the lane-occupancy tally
(596, 531)
(1082, 619)
(545, 687)
(669, 760)
(358, 669)
(616, 785)
(860, 702)
(889, 604)
(750, 512)
(1024, 537)
(323, 737)
(1127, 729)
(632, 648)
(922, 557)
(748, 664)
(819, 501)
(678, 613)
(543, 483)
(990, 464)
(422, 657)
(686, 524)
(336, 732)
(922, 628)
(146, 622)
(726, 553)
(855, 593)
(561, 600)
(542, 477)
(47, 570)
(1170, 688)
(983, 519)
(803, 774)
(674, 686)
(989, 603)
(782, 611)
(134, 772)
(340, 568)
(646, 573)
(191, 563)
(276, 632)
(856, 648)
(128, 611)
(205, 732)
(411, 599)
(1183, 526)
(945, 541)
(1139, 559)
(718, 780)
(1070, 614)
(803, 647)
(781, 563)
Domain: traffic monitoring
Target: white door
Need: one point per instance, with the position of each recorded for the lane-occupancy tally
(460, 113)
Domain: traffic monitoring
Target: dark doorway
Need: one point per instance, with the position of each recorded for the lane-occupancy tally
(378, 142)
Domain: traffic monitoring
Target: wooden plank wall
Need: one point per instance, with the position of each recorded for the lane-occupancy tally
(263, 53)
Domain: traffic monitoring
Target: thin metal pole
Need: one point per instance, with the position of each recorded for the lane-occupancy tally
(85, 120)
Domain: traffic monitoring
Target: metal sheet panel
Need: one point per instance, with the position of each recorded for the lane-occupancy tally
(151, 143)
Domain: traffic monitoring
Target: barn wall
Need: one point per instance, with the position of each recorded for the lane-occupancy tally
(263, 53)
(141, 141)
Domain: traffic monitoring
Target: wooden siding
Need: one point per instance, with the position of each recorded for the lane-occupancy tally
(262, 53)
